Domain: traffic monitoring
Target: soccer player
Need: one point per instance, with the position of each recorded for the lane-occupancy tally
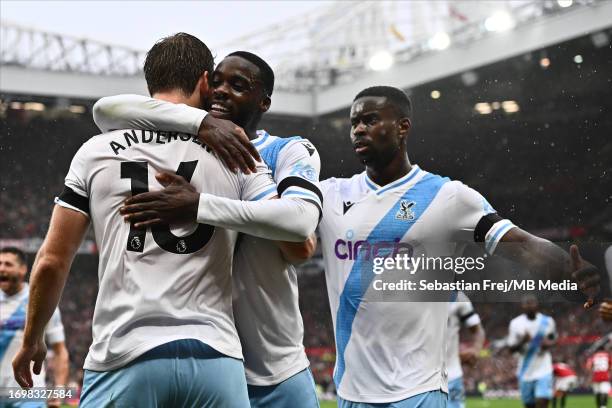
(461, 313)
(163, 329)
(531, 335)
(565, 380)
(599, 364)
(266, 307)
(13, 305)
(392, 353)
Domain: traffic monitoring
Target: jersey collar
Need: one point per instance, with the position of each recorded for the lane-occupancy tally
(262, 137)
(372, 186)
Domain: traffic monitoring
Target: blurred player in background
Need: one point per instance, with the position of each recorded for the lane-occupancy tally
(461, 314)
(163, 328)
(599, 364)
(13, 304)
(565, 381)
(266, 306)
(378, 209)
(531, 335)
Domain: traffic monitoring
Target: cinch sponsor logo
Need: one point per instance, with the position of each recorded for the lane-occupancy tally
(366, 250)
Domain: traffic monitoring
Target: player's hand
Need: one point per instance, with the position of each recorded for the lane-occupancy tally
(230, 143)
(54, 403)
(605, 310)
(176, 203)
(468, 356)
(585, 275)
(22, 368)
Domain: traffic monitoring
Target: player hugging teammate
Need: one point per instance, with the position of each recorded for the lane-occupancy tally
(389, 354)
(381, 346)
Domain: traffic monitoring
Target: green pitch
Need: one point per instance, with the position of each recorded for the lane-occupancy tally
(577, 401)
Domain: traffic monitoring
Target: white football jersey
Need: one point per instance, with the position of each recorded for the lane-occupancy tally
(533, 362)
(12, 322)
(461, 313)
(266, 305)
(389, 351)
(160, 284)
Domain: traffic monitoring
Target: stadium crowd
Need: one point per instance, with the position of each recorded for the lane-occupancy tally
(557, 162)
(39, 149)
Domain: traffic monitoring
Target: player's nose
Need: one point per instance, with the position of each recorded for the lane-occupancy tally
(220, 91)
(359, 129)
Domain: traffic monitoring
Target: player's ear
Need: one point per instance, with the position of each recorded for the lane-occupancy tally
(203, 83)
(265, 103)
(404, 126)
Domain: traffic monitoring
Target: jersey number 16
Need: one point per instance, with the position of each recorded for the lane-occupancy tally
(138, 173)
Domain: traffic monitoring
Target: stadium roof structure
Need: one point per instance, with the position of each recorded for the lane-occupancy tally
(323, 59)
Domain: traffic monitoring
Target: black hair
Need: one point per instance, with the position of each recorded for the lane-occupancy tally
(21, 256)
(396, 96)
(177, 62)
(266, 73)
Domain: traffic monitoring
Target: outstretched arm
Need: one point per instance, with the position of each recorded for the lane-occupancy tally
(549, 261)
(49, 274)
(225, 138)
(474, 217)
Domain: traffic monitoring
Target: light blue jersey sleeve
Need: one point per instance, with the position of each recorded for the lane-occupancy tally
(259, 185)
(297, 172)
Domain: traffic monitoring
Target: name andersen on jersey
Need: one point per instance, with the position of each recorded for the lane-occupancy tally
(133, 137)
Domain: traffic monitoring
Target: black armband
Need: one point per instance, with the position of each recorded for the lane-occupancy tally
(484, 225)
(78, 201)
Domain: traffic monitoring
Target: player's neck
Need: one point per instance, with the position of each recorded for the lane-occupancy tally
(177, 96)
(251, 132)
(250, 128)
(395, 170)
